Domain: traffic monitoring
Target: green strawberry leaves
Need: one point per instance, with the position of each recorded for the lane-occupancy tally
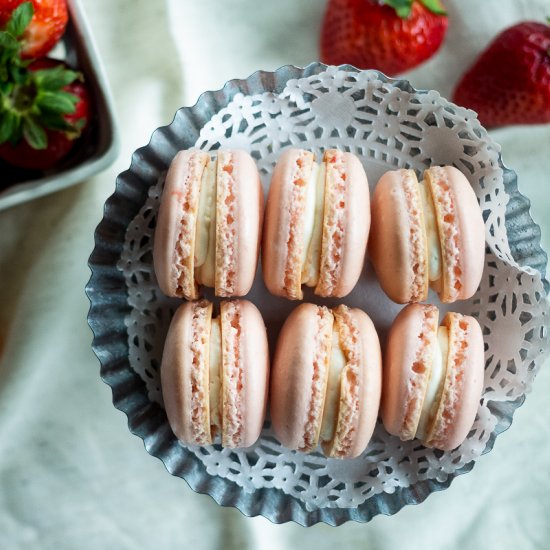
(20, 19)
(60, 102)
(8, 41)
(55, 78)
(32, 101)
(9, 125)
(34, 133)
(403, 7)
(38, 104)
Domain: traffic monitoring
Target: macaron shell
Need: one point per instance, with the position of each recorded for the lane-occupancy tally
(283, 226)
(184, 373)
(407, 368)
(463, 383)
(397, 243)
(174, 241)
(254, 359)
(297, 388)
(361, 383)
(462, 237)
(346, 224)
(239, 211)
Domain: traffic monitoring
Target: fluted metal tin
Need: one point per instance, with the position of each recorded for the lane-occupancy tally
(109, 306)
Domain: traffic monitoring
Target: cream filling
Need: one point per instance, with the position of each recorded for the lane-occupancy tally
(436, 383)
(215, 380)
(332, 396)
(432, 233)
(313, 225)
(205, 236)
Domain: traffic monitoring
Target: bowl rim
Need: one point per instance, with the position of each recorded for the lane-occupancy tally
(147, 420)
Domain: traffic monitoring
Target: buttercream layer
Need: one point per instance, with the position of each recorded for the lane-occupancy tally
(332, 398)
(313, 234)
(205, 240)
(433, 258)
(436, 383)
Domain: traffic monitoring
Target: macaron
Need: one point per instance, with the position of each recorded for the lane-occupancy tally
(316, 225)
(214, 373)
(427, 233)
(326, 381)
(209, 224)
(433, 376)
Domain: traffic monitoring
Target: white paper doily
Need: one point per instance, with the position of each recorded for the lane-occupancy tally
(387, 127)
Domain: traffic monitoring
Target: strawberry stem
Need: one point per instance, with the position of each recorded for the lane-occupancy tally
(403, 7)
(23, 98)
(435, 6)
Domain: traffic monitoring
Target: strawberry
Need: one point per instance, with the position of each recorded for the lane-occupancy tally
(45, 29)
(510, 82)
(44, 106)
(52, 134)
(389, 35)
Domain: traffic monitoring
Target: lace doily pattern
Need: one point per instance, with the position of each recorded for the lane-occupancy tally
(388, 126)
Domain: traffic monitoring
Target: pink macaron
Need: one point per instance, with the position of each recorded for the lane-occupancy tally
(316, 224)
(427, 234)
(433, 376)
(209, 224)
(326, 381)
(215, 372)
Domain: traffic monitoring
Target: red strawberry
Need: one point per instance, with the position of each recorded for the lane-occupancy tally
(389, 35)
(510, 82)
(43, 108)
(45, 29)
(56, 125)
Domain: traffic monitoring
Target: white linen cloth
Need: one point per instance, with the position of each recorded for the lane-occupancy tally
(71, 475)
